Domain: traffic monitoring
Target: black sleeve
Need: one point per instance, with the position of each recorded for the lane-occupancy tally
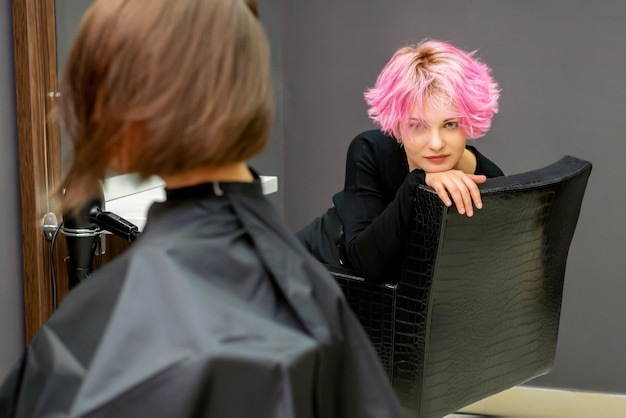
(375, 228)
(484, 165)
(376, 225)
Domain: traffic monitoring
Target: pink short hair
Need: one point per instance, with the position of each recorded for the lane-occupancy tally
(440, 74)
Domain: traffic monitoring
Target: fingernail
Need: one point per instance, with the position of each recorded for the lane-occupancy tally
(479, 205)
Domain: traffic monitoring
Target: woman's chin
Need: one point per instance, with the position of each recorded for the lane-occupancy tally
(437, 168)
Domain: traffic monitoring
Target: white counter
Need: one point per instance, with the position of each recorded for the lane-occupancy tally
(130, 200)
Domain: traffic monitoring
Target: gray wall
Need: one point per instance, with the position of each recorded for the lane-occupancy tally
(270, 162)
(561, 65)
(11, 296)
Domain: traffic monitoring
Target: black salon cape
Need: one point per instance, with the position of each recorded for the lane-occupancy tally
(215, 311)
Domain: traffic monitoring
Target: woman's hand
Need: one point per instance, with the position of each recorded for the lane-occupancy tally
(462, 188)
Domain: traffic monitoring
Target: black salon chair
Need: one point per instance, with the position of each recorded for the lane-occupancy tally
(476, 309)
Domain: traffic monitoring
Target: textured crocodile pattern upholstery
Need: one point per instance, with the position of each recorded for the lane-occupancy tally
(377, 314)
(477, 307)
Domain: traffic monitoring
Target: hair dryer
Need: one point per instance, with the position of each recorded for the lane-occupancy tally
(82, 236)
(82, 231)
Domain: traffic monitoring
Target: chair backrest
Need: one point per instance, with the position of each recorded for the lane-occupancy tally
(477, 307)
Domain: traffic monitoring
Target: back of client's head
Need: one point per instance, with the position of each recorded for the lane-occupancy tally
(441, 75)
(166, 86)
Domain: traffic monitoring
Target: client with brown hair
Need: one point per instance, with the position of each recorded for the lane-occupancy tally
(216, 310)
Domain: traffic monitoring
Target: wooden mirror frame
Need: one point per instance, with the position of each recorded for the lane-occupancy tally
(40, 160)
(34, 36)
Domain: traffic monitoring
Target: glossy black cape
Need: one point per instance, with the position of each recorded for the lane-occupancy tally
(216, 311)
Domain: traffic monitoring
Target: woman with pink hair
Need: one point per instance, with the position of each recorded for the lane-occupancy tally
(428, 101)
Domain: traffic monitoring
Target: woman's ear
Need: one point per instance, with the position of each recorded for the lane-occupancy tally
(396, 134)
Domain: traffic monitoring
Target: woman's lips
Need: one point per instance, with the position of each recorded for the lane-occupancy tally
(437, 159)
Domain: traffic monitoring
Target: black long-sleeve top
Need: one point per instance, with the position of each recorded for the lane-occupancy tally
(375, 204)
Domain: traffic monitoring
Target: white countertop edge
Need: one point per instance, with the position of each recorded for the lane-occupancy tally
(124, 185)
(131, 200)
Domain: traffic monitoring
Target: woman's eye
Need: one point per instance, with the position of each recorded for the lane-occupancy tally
(416, 126)
(451, 124)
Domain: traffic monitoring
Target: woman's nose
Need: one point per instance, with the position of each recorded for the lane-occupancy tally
(436, 141)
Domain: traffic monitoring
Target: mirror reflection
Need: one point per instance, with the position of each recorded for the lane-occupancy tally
(67, 17)
(68, 14)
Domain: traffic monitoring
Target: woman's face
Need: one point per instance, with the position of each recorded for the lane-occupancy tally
(434, 141)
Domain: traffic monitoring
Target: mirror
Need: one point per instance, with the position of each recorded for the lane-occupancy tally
(67, 15)
(67, 18)
(43, 31)
(36, 26)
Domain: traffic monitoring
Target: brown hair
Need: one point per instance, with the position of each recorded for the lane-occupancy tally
(193, 75)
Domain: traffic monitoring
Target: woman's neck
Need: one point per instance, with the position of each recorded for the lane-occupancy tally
(467, 164)
(237, 172)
